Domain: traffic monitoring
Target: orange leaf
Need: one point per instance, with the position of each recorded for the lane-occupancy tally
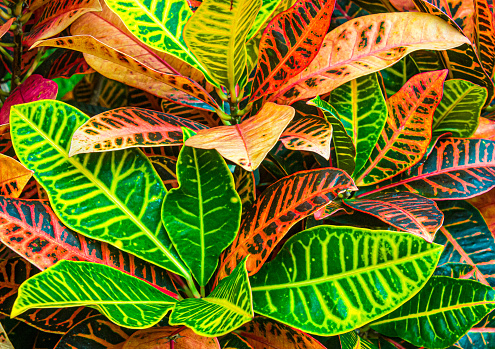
(248, 143)
(160, 338)
(13, 176)
(5, 27)
(485, 130)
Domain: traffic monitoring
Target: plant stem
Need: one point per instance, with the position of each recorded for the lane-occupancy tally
(192, 287)
(6, 54)
(202, 290)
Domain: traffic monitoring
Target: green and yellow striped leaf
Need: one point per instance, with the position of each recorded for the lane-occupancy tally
(125, 300)
(440, 314)
(345, 150)
(159, 24)
(267, 9)
(115, 197)
(329, 280)
(351, 340)
(407, 132)
(225, 309)
(203, 215)
(216, 34)
(129, 127)
(363, 112)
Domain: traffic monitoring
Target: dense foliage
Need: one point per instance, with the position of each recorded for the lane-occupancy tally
(247, 174)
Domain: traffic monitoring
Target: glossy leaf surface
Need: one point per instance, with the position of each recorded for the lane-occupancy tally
(427, 319)
(289, 43)
(277, 209)
(366, 45)
(183, 338)
(225, 309)
(129, 127)
(331, 293)
(405, 211)
(249, 142)
(407, 132)
(125, 300)
(131, 205)
(13, 176)
(363, 112)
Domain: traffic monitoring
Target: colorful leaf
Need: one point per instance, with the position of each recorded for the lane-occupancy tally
(277, 209)
(480, 336)
(267, 9)
(340, 278)
(366, 45)
(363, 112)
(485, 129)
(63, 64)
(407, 132)
(6, 27)
(245, 186)
(456, 169)
(441, 313)
(13, 176)
(485, 35)
(289, 43)
(224, 58)
(57, 16)
(183, 338)
(33, 89)
(345, 151)
(129, 127)
(131, 205)
(247, 143)
(467, 239)
(233, 341)
(405, 211)
(200, 116)
(225, 309)
(123, 299)
(397, 75)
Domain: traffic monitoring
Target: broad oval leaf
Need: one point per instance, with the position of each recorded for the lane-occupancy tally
(277, 209)
(125, 300)
(329, 280)
(123, 185)
(405, 211)
(13, 176)
(407, 132)
(366, 45)
(441, 313)
(129, 127)
(289, 43)
(456, 169)
(247, 143)
(226, 308)
(183, 338)
(363, 112)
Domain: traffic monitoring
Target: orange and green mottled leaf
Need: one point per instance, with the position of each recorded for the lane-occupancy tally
(289, 43)
(405, 211)
(261, 333)
(277, 209)
(249, 142)
(136, 74)
(308, 132)
(366, 45)
(129, 127)
(329, 280)
(456, 169)
(58, 15)
(407, 132)
(485, 35)
(184, 338)
(13, 177)
(245, 187)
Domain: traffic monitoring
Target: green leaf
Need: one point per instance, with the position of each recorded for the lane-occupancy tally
(115, 197)
(125, 300)
(267, 9)
(396, 76)
(441, 313)
(225, 309)
(344, 147)
(363, 112)
(203, 215)
(216, 34)
(329, 280)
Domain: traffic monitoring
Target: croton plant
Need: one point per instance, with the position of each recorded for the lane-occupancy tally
(247, 174)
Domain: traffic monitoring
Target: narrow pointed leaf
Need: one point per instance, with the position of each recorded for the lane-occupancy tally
(366, 45)
(363, 112)
(427, 319)
(407, 132)
(405, 211)
(340, 278)
(225, 309)
(224, 56)
(13, 176)
(127, 301)
(456, 168)
(289, 43)
(345, 150)
(129, 127)
(161, 337)
(6, 27)
(245, 186)
(247, 143)
(86, 185)
(287, 201)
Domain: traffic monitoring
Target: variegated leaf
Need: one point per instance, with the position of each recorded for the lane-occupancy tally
(397, 75)
(13, 176)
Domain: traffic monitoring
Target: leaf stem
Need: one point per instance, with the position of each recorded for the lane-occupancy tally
(6, 54)
(192, 287)
(202, 290)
